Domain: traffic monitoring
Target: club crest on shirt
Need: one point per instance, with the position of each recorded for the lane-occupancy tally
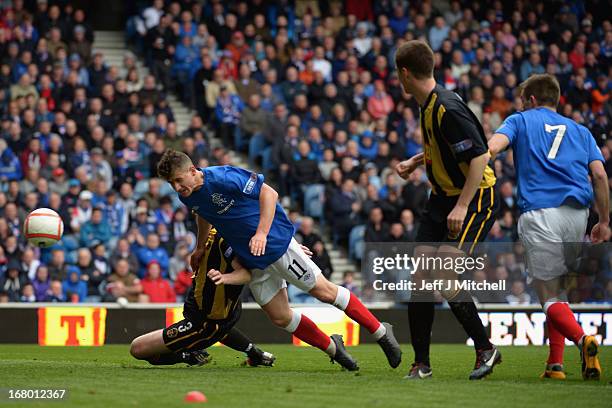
(218, 199)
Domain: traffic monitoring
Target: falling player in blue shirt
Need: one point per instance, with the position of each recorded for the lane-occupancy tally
(553, 156)
(246, 213)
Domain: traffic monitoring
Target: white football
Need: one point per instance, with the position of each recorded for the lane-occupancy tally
(43, 227)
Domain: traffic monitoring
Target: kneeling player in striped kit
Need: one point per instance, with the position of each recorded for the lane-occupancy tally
(210, 312)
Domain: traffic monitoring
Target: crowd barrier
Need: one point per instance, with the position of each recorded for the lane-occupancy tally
(52, 324)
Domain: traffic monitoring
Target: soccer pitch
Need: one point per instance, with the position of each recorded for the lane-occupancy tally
(108, 377)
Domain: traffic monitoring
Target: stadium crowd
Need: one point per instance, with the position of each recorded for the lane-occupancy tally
(306, 89)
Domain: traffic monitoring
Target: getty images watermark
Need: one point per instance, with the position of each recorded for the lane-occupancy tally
(442, 265)
(491, 272)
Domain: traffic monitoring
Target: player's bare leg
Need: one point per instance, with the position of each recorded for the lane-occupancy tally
(344, 300)
(560, 316)
(303, 328)
(151, 347)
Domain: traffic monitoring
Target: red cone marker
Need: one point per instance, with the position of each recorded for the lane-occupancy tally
(195, 396)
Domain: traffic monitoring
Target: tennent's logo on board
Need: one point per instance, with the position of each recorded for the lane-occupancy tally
(71, 326)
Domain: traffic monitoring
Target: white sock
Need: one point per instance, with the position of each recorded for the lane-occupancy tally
(331, 349)
(380, 332)
(295, 321)
(343, 297)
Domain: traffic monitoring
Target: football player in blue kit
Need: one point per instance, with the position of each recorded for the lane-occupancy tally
(246, 212)
(553, 156)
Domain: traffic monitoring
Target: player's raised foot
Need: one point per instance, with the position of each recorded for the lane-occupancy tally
(197, 358)
(258, 357)
(553, 371)
(591, 370)
(342, 356)
(418, 371)
(485, 361)
(390, 346)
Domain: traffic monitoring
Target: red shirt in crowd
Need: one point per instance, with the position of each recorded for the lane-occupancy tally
(155, 287)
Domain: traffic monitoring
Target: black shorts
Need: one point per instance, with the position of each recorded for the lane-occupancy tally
(195, 334)
(480, 217)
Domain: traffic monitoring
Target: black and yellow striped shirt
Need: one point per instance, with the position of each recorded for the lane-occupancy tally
(209, 301)
(452, 137)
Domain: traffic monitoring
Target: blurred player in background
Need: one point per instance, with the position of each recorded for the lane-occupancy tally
(461, 207)
(245, 210)
(553, 156)
(210, 313)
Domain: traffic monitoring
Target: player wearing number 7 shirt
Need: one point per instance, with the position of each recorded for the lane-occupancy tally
(553, 156)
(246, 213)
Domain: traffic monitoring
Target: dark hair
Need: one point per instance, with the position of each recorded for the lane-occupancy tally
(417, 57)
(170, 161)
(544, 87)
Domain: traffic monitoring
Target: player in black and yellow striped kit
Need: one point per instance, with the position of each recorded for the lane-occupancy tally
(462, 205)
(210, 312)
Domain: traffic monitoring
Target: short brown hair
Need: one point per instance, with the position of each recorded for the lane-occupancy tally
(171, 161)
(417, 57)
(544, 87)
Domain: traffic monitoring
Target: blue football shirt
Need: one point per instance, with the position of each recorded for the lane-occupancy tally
(229, 200)
(552, 155)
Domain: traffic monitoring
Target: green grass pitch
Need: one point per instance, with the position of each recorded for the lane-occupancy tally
(303, 377)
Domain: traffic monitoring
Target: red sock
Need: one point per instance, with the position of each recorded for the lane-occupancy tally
(359, 313)
(556, 346)
(308, 332)
(562, 317)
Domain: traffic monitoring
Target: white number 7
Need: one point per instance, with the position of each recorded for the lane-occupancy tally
(557, 142)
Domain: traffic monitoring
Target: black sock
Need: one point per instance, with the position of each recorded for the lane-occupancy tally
(420, 318)
(166, 359)
(238, 341)
(465, 311)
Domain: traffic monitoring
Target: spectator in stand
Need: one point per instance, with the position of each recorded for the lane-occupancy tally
(41, 283)
(321, 258)
(227, 112)
(13, 281)
(81, 213)
(156, 289)
(178, 262)
(348, 281)
(252, 122)
(27, 294)
(381, 103)
(10, 166)
(74, 287)
(344, 209)
(56, 292)
(152, 251)
(122, 283)
(123, 251)
(518, 295)
(376, 230)
(97, 228)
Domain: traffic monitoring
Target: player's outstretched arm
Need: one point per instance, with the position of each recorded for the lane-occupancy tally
(203, 231)
(267, 208)
(601, 231)
(497, 144)
(239, 276)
